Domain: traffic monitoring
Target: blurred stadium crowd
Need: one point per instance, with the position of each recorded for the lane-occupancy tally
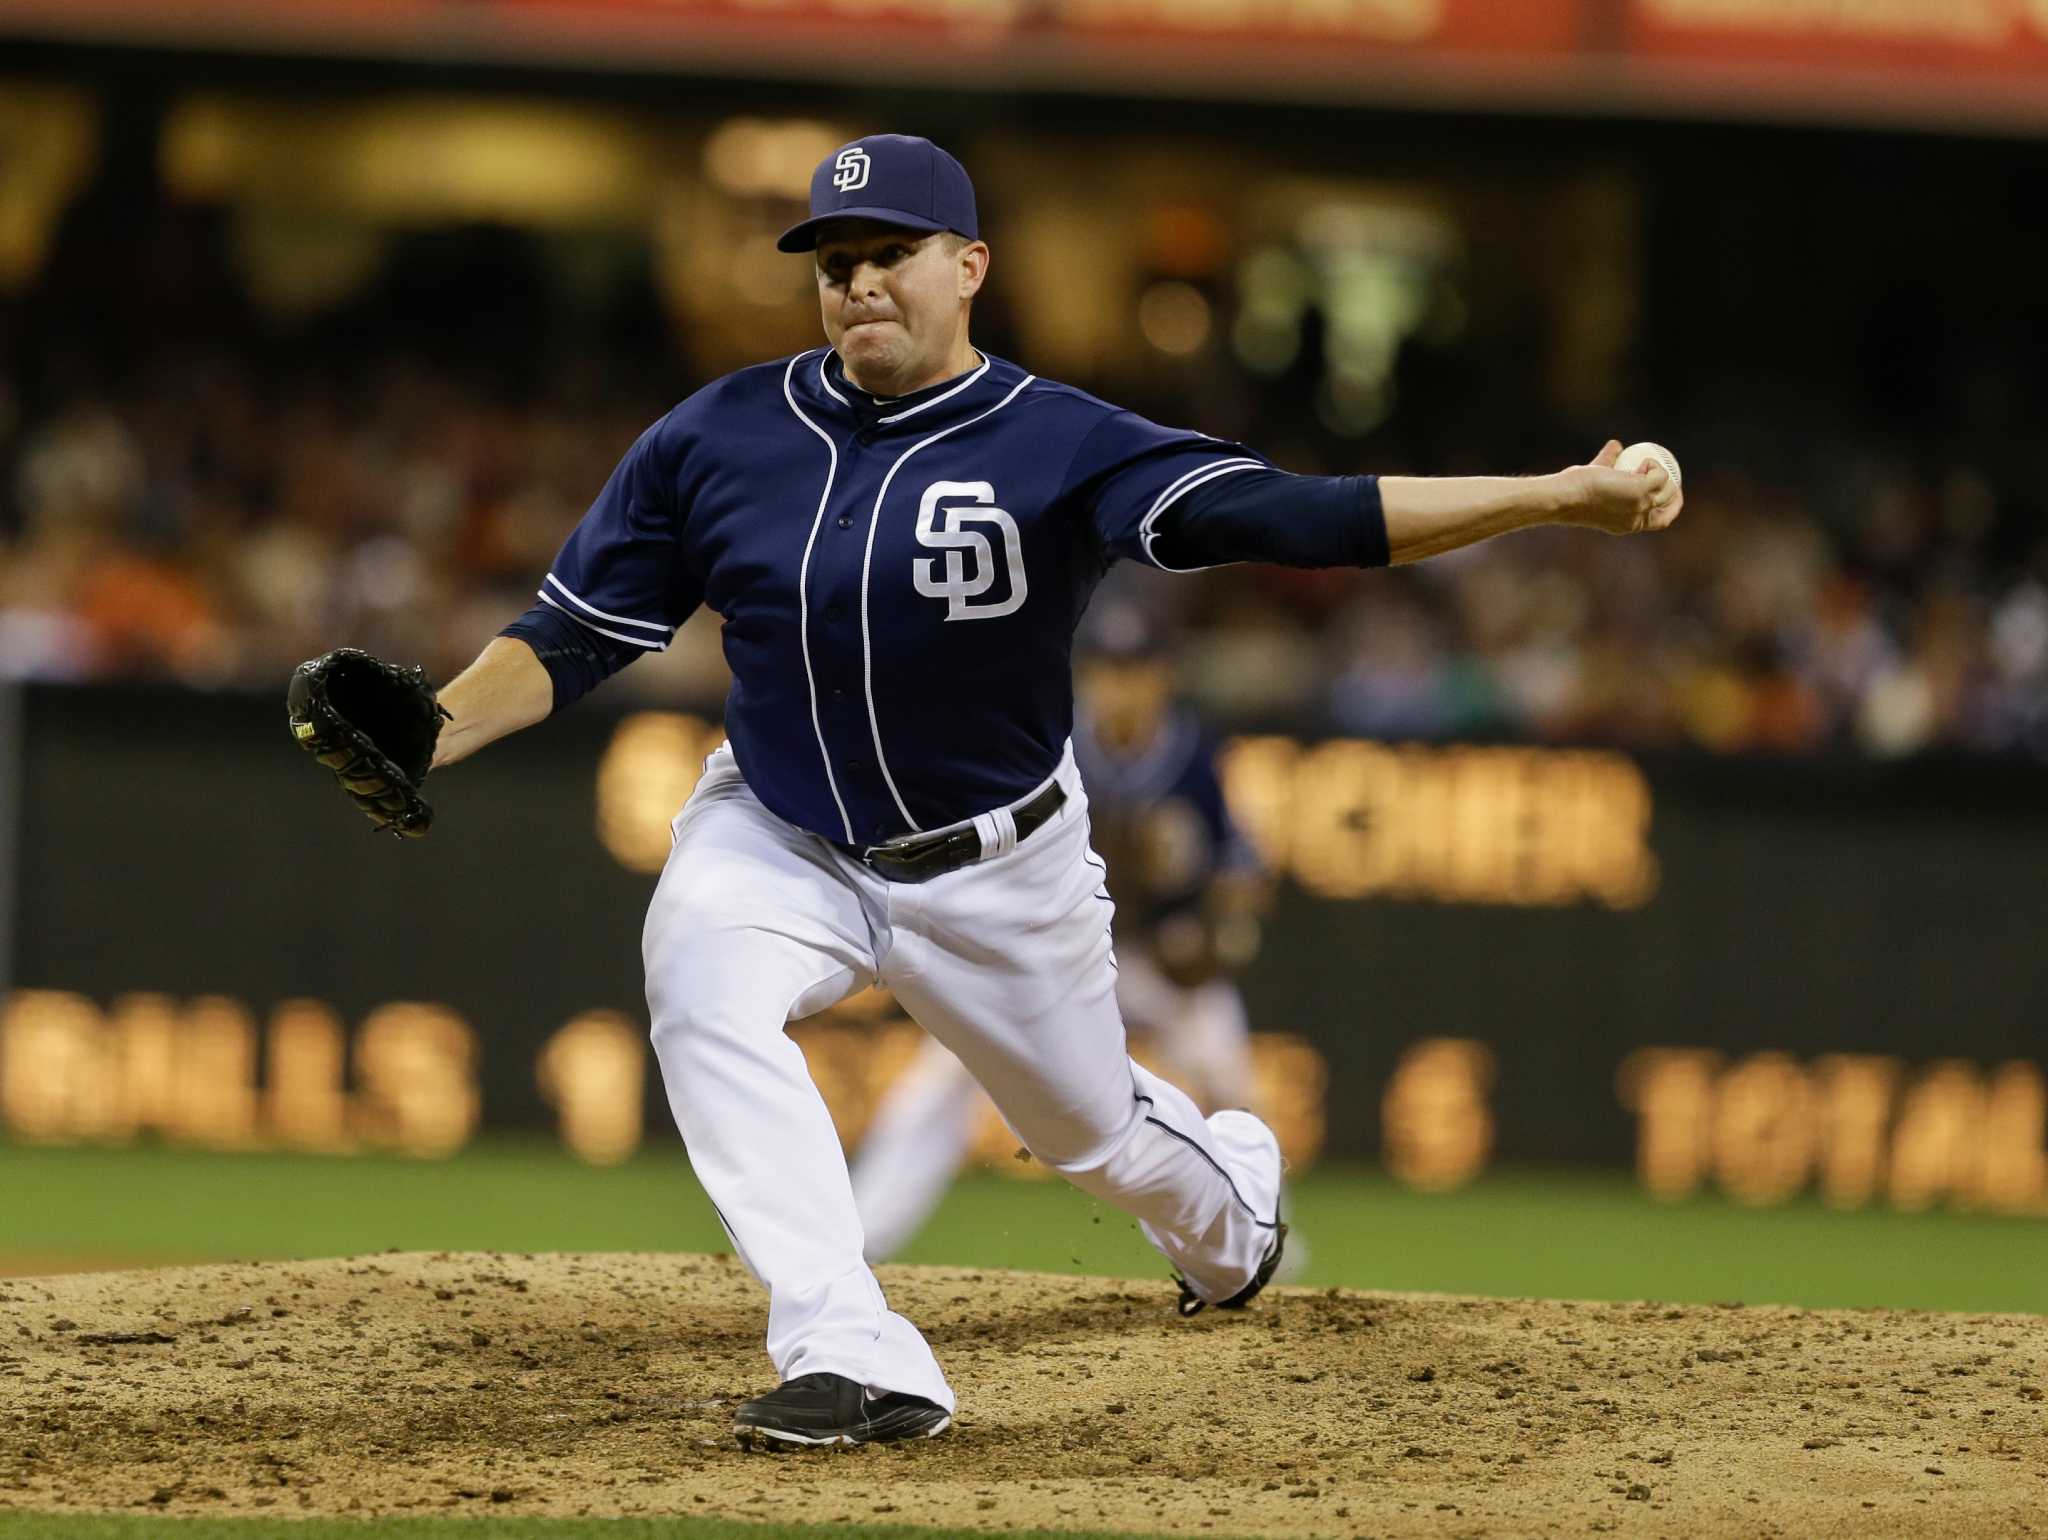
(188, 493)
(209, 521)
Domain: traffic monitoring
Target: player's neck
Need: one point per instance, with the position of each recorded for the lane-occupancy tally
(960, 361)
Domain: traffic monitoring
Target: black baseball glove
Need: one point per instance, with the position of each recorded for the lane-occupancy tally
(374, 725)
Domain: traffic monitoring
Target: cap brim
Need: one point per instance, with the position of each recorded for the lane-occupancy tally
(804, 237)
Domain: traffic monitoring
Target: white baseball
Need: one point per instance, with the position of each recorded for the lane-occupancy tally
(1636, 456)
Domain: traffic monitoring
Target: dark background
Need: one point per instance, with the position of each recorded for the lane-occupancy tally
(181, 844)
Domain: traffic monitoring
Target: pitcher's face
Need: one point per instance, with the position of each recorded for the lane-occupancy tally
(895, 302)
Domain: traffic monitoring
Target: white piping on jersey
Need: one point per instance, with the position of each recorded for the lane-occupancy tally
(1173, 494)
(803, 578)
(1066, 762)
(591, 609)
(867, 563)
(912, 411)
(825, 384)
(618, 636)
(823, 359)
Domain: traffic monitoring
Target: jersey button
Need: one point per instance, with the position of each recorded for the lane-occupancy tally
(845, 522)
(838, 693)
(832, 612)
(854, 764)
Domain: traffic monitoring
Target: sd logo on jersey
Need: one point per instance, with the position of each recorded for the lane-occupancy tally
(942, 516)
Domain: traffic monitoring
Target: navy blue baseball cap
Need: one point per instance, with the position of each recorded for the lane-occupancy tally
(893, 178)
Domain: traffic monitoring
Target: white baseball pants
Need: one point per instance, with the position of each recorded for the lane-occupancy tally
(1007, 962)
(923, 1132)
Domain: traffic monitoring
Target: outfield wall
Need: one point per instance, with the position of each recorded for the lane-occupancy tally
(1758, 976)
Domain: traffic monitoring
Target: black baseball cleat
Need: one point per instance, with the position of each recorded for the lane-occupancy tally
(1192, 1303)
(818, 1410)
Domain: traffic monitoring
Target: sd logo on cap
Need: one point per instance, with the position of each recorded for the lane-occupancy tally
(897, 179)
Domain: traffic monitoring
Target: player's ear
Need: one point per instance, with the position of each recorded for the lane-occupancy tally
(973, 268)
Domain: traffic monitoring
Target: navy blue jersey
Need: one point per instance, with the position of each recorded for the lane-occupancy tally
(1159, 818)
(899, 581)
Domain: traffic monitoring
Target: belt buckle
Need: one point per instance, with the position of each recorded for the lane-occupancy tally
(888, 850)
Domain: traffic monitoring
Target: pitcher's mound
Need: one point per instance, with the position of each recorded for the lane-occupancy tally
(605, 1385)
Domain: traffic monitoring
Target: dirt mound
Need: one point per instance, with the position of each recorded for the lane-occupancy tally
(605, 1385)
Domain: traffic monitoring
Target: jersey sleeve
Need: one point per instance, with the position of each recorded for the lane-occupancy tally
(623, 573)
(1129, 472)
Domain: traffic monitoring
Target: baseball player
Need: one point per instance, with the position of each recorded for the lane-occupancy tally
(900, 532)
(1188, 890)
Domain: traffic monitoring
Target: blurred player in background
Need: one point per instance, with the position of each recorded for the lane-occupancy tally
(1188, 890)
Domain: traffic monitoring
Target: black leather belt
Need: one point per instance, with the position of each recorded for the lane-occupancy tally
(921, 857)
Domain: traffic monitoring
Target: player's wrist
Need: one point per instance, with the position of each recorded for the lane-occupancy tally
(1558, 498)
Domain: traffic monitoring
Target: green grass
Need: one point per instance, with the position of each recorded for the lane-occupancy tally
(1592, 1236)
(37, 1526)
